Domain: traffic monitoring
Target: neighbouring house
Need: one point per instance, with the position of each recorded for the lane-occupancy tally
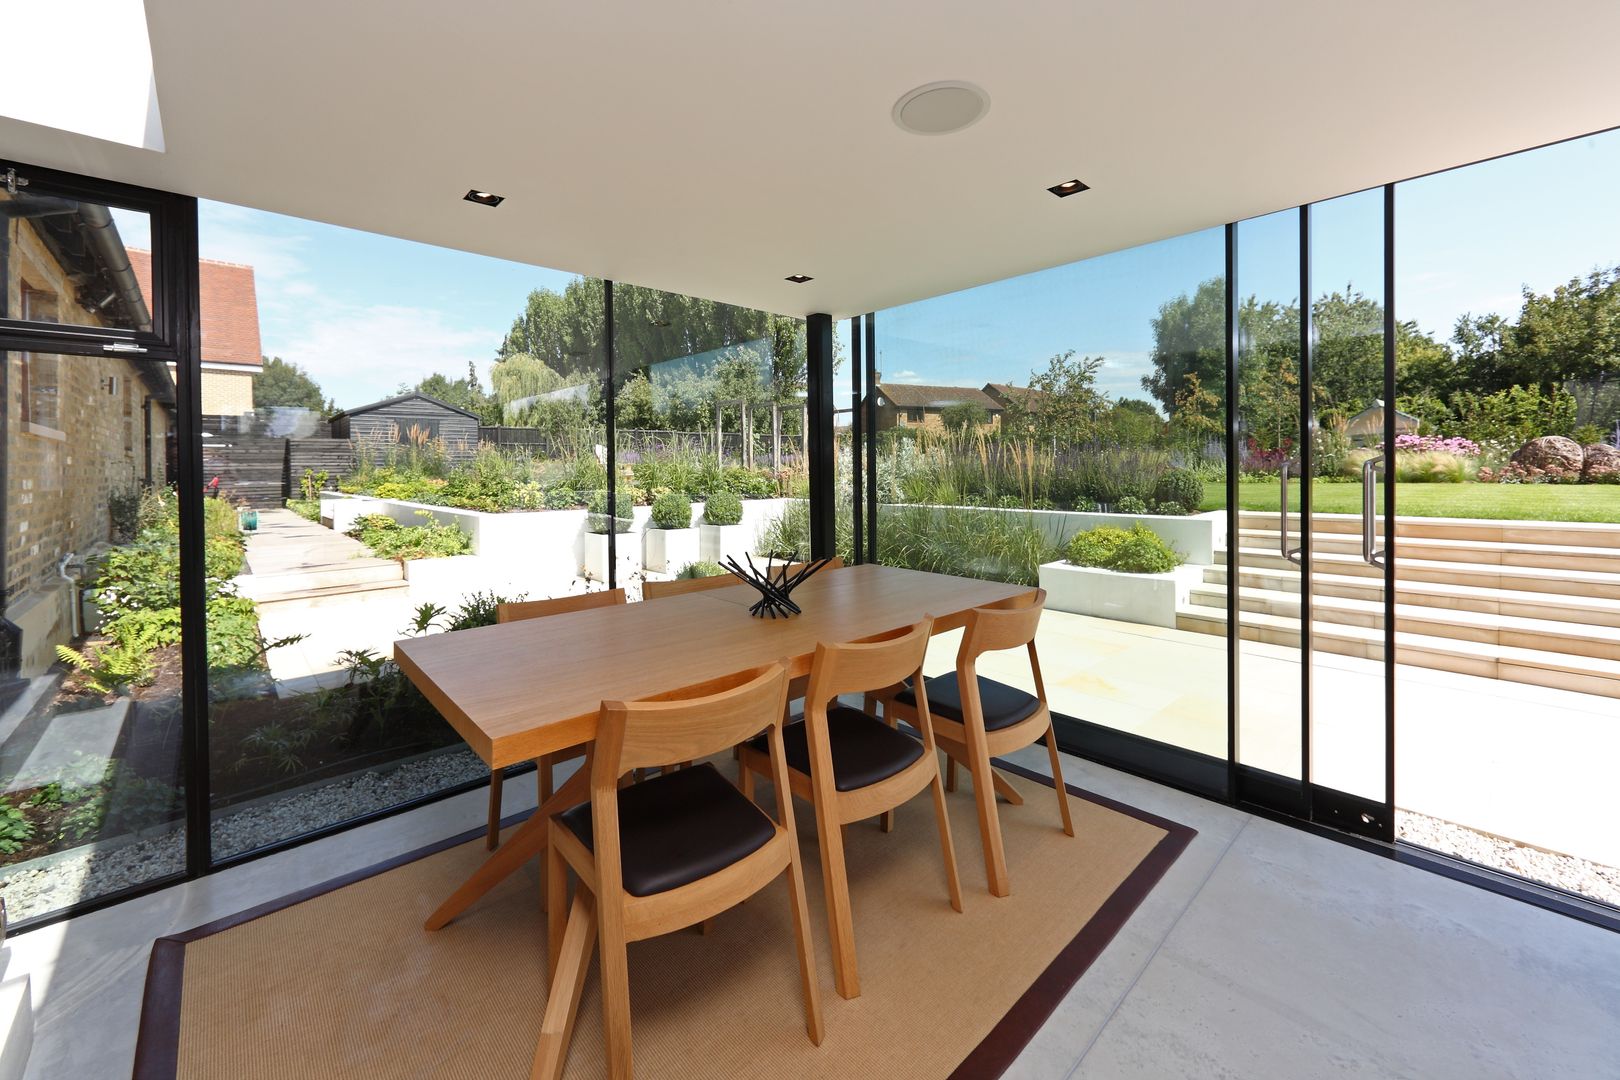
(231, 353)
(79, 431)
(913, 405)
(1009, 396)
(413, 419)
(1367, 426)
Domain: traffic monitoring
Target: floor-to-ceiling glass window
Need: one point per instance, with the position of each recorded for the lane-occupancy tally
(1265, 566)
(91, 780)
(709, 423)
(1065, 428)
(1508, 508)
(395, 439)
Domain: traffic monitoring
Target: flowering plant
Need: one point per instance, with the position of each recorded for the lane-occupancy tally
(1424, 443)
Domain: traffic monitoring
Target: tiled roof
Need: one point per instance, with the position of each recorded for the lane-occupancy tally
(230, 308)
(915, 396)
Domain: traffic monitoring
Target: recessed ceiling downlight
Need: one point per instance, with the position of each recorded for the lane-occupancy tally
(941, 108)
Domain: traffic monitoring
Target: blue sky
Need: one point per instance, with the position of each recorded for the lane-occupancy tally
(1466, 241)
(364, 313)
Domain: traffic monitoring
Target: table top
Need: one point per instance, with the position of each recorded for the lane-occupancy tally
(517, 690)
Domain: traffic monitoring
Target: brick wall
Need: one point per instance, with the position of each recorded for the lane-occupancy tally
(227, 393)
(63, 462)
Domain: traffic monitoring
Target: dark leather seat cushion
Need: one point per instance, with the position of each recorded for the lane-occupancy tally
(865, 750)
(678, 828)
(1003, 705)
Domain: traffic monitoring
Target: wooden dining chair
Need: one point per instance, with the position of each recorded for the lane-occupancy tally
(657, 590)
(537, 609)
(680, 848)
(852, 766)
(976, 719)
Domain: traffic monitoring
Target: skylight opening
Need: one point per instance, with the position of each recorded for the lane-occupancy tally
(107, 91)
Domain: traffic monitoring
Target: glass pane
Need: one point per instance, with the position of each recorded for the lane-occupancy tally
(1270, 673)
(75, 263)
(709, 422)
(1026, 427)
(400, 436)
(1347, 595)
(90, 640)
(1508, 516)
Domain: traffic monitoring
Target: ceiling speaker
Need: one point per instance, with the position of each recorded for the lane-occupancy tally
(941, 108)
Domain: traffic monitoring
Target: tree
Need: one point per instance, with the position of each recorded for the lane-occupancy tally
(463, 393)
(1064, 404)
(964, 417)
(285, 383)
(1189, 337)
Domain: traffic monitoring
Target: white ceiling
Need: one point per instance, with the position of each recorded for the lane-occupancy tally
(714, 148)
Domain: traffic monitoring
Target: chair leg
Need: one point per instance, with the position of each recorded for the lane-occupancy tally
(1057, 781)
(615, 968)
(492, 839)
(808, 983)
(840, 920)
(942, 816)
(984, 797)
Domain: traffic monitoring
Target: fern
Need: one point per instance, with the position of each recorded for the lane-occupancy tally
(109, 670)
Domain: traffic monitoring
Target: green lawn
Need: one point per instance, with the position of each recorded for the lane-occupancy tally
(1518, 502)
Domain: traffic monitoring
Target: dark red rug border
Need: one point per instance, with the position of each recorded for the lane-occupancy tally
(157, 1044)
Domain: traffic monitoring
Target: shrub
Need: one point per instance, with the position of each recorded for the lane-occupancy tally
(701, 569)
(562, 498)
(1130, 504)
(598, 520)
(388, 539)
(15, 829)
(1138, 550)
(308, 509)
(723, 508)
(1180, 487)
(1431, 467)
(968, 543)
(748, 484)
(672, 510)
(124, 508)
(1115, 473)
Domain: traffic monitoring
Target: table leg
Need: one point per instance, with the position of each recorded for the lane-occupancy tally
(524, 844)
(562, 1004)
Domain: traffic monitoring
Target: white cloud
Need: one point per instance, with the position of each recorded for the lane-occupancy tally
(360, 355)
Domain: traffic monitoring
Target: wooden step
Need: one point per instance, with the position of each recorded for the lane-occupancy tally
(1557, 533)
(1512, 578)
(1583, 610)
(1572, 638)
(1581, 674)
(1429, 549)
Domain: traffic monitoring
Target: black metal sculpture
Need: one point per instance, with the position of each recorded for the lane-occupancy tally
(773, 583)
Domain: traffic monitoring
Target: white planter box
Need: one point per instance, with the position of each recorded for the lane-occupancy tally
(596, 556)
(1108, 594)
(448, 572)
(668, 551)
(717, 542)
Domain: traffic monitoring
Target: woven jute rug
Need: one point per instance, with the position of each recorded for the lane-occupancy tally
(342, 981)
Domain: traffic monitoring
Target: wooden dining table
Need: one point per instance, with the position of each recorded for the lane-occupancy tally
(517, 690)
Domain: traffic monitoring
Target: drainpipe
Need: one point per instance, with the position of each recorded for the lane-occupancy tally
(75, 606)
(102, 232)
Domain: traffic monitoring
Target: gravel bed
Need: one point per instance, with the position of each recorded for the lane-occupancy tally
(1563, 871)
(48, 884)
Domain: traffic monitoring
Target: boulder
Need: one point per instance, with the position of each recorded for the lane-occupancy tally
(1551, 454)
(1602, 464)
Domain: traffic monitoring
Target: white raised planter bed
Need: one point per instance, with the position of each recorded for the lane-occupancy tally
(1109, 594)
(595, 562)
(668, 551)
(717, 542)
(1195, 536)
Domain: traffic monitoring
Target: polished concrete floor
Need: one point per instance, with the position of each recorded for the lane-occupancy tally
(1265, 953)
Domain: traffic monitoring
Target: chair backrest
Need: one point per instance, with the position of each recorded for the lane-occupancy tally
(1006, 624)
(834, 563)
(655, 590)
(537, 609)
(871, 663)
(687, 724)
